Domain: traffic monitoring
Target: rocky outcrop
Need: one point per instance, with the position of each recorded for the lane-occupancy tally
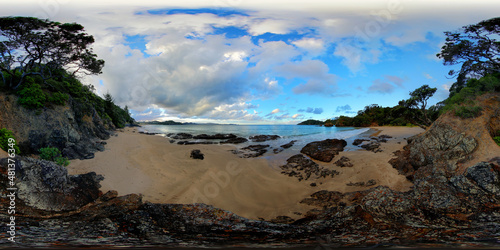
(75, 129)
(440, 145)
(344, 162)
(263, 138)
(236, 140)
(304, 168)
(47, 186)
(324, 150)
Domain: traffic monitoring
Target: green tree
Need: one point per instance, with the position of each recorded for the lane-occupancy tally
(416, 106)
(32, 46)
(475, 48)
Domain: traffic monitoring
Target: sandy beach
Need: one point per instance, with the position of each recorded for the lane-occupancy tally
(253, 188)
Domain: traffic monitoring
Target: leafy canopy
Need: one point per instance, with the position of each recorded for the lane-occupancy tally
(475, 48)
(32, 46)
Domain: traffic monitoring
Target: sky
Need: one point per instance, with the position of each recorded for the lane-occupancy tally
(263, 62)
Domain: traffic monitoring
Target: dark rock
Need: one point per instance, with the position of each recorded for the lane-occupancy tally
(195, 142)
(89, 156)
(46, 185)
(359, 141)
(288, 145)
(236, 140)
(182, 136)
(372, 146)
(148, 133)
(313, 184)
(215, 137)
(303, 168)
(251, 151)
(282, 220)
(324, 198)
(344, 162)
(485, 176)
(324, 150)
(438, 144)
(263, 138)
(196, 154)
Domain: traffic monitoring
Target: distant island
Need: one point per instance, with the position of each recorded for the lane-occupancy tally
(327, 123)
(170, 122)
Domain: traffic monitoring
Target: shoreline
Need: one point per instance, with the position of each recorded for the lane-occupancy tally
(253, 188)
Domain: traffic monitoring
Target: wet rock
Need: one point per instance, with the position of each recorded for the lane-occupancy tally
(344, 162)
(148, 133)
(196, 142)
(324, 150)
(236, 140)
(181, 136)
(215, 137)
(359, 141)
(288, 145)
(251, 151)
(284, 146)
(196, 154)
(263, 138)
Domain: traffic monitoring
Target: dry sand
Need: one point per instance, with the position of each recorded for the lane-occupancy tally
(253, 188)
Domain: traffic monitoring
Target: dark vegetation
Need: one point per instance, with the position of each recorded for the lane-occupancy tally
(40, 62)
(5, 144)
(53, 154)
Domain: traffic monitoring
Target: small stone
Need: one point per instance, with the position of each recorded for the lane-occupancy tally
(196, 154)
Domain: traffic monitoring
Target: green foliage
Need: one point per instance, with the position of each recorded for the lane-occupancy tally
(58, 98)
(44, 48)
(468, 112)
(53, 154)
(476, 48)
(32, 96)
(7, 144)
(497, 140)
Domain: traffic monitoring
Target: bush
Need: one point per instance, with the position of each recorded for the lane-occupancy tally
(58, 98)
(32, 96)
(53, 154)
(5, 135)
(497, 140)
(468, 112)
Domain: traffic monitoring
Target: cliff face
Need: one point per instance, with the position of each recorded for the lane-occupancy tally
(452, 144)
(74, 128)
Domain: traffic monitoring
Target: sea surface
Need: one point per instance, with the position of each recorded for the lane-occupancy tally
(303, 134)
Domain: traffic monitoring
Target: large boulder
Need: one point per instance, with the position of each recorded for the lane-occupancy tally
(47, 186)
(324, 150)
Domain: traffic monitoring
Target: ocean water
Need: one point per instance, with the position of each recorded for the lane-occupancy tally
(302, 133)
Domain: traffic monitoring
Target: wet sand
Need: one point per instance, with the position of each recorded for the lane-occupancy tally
(253, 188)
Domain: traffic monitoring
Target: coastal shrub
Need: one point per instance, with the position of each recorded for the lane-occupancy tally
(5, 135)
(497, 140)
(32, 96)
(58, 98)
(468, 112)
(53, 154)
